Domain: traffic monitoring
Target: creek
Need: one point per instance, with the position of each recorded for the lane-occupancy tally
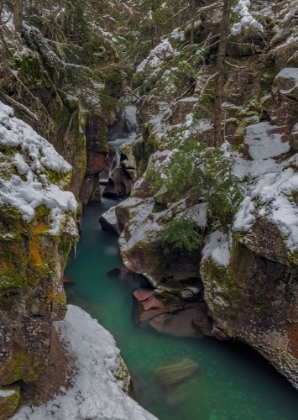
(232, 382)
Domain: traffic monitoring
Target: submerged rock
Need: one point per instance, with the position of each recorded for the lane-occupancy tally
(169, 315)
(176, 371)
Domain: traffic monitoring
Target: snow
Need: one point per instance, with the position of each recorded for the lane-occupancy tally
(25, 184)
(291, 74)
(245, 217)
(271, 185)
(242, 8)
(164, 48)
(189, 99)
(96, 393)
(217, 248)
(178, 34)
(6, 394)
(263, 142)
(197, 213)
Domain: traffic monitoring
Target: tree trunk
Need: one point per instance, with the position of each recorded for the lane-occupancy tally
(193, 16)
(222, 48)
(18, 14)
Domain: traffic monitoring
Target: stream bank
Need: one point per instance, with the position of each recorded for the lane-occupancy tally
(231, 383)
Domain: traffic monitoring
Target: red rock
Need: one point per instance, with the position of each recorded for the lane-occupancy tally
(143, 294)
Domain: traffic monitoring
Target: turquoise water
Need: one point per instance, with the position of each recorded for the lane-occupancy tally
(232, 382)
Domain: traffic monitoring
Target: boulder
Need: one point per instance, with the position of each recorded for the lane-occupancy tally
(108, 221)
(86, 189)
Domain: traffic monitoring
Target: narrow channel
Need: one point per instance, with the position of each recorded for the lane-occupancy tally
(231, 383)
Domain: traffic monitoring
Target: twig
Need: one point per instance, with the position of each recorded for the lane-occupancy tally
(19, 106)
(184, 93)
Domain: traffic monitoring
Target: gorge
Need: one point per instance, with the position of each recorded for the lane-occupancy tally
(202, 195)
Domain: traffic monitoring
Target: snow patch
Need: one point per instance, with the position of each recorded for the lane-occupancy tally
(178, 34)
(242, 8)
(217, 248)
(164, 49)
(6, 394)
(272, 185)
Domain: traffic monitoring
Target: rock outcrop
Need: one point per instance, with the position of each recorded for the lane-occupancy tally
(37, 229)
(248, 266)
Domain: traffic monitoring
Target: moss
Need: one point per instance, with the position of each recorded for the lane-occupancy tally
(60, 178)
(28, 257)
(65, 246)
(31, 71)
(8, 405)
(22, 366)
(268, 75)
(227, 282)
(103, 134)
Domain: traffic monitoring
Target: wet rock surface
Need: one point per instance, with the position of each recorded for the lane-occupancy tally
(170, 315)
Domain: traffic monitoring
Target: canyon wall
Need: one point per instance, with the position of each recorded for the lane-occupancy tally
(246, 265)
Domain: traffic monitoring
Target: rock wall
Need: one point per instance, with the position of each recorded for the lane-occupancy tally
(37, 230)
(247, 270)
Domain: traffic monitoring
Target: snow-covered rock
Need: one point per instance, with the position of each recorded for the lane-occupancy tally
(27, 170)
(100, 379)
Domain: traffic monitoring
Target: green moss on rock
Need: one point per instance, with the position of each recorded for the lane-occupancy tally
(9, 404)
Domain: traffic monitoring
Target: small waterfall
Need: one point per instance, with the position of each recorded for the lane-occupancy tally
(75, 250)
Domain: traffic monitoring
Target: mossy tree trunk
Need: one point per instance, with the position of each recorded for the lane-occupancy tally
(220, 79)
(18, 14)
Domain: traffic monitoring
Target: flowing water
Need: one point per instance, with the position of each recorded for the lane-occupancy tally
(232, 382)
